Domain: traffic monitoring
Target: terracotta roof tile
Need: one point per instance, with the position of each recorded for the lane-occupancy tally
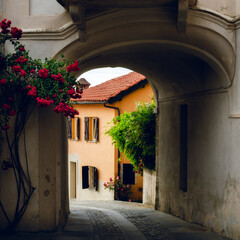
(111, 88)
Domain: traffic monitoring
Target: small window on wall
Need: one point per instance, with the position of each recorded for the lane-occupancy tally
(74, 128)
(89, 178)
(91, 131)
(128, 174)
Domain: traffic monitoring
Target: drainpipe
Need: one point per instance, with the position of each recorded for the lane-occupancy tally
(116, 108)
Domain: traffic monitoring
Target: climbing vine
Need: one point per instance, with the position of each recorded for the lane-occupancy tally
(24, 84)
(134, 136)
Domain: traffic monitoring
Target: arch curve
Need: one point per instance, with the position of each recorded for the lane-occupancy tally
(146, 40)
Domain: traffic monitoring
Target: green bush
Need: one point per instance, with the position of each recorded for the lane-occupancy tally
(134, 135)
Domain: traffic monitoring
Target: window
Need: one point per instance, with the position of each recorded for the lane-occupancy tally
(183, 146)
(74, 128)
(128, 174)
(89, 178)
(91, 131)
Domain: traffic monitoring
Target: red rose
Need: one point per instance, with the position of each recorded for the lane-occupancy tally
(6, 106)
(73, 67)
(3, 81)
(16, 32)
(32, 71)
(29, 86)
(22, 49)
(6, 127)
(12, 113)
(58, 77)
(16, 68)
(43, 73)
(21, 60)
(41, 102)
(33, 92)
(23, 73)
(4, 24)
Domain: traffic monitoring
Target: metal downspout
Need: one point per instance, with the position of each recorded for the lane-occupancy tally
(116, 108)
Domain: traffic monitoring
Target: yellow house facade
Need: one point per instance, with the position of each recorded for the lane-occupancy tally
(93, 159)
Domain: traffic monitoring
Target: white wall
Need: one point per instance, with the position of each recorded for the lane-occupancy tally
(45, 7)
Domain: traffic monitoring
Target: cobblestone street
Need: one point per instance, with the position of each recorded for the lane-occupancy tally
(115, 220)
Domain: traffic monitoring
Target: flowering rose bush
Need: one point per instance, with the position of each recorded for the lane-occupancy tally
(25, 80)
(25, 83)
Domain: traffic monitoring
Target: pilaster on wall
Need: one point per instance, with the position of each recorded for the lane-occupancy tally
(234, 91)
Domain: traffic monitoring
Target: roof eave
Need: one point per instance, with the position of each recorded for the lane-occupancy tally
(88, 102)
(124, 93)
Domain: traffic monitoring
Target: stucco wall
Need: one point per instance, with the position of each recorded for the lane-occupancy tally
(226, 7)
(149, 187)
(47, 155)
(100, 154)
(213, 164)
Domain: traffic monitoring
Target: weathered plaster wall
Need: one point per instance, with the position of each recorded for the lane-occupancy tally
(226, 7)
(8, 195)
(47, 156)
(149, 186)
(212, 198)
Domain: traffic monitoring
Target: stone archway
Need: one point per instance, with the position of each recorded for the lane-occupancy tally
(193, 69)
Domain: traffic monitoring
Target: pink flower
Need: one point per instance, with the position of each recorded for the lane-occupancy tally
(117, 177)
(128, 186)
(110, 179)
(130, 200)
(43, 73)
(10, 99)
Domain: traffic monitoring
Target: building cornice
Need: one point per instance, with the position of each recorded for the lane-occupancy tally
(51, 33)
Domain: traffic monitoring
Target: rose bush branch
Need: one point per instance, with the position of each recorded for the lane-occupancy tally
(24, 84)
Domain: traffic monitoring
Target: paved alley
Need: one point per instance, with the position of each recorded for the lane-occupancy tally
(115, 220)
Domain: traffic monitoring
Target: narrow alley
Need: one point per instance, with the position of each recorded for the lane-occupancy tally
(116, 220)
